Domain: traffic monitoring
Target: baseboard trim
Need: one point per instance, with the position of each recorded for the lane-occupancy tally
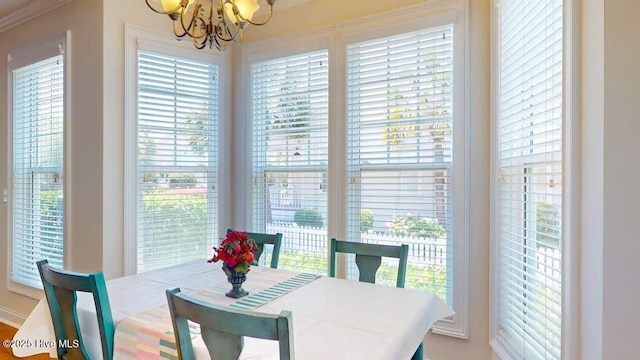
(11, 318)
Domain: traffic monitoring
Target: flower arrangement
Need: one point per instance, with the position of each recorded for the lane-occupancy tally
(236, 251)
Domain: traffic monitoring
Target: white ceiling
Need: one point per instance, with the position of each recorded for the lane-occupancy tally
(15, 12)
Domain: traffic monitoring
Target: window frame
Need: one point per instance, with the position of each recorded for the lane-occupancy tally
(137, 38)
(570, 202)
(53, 46)
(337, 38)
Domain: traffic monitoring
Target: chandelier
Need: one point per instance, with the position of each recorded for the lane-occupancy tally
(211, 22)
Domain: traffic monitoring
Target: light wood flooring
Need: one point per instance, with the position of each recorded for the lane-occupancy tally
(7, 332)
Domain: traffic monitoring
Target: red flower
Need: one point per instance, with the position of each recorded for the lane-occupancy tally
(236, 250)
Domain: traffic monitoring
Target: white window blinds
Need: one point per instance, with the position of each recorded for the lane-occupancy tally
(529, 126)
(176, 159)
(290, 122)
(400, 127)
(38, 158)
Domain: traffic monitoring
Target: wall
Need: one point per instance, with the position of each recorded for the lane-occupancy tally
(592, 128)
(84, 19)
(621, 246)
(322, 13)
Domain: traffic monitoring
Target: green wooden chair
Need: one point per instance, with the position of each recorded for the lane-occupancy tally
(263, 239)
(60, 287)
(368, 260)
(222, 328)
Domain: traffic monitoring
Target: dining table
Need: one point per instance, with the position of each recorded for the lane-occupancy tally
(332, 318)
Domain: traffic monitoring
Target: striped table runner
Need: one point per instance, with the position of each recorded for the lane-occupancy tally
(149, 334)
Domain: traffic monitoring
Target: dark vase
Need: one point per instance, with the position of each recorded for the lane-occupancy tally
(235, 279)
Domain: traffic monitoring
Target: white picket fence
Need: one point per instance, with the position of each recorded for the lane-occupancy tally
(422, 251)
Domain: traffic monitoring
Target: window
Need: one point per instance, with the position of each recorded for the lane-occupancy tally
(37, 111)
(366, 143)
(290, 147)
(400, 123)
(529, 222)
(175, 152)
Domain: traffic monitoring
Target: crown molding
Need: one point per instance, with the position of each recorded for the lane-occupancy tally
(32, 10)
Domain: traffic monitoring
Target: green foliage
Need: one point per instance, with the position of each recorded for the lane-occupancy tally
(315, 263)
(173, 223)
(308, 217)
(420, 277)
(51, 217)
(49, 203)
(416, 226)
(366, 220)
(547, 224)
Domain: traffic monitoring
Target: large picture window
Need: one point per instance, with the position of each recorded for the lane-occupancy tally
(37, 111)
(176, 159)
(399, 151)
(530, 139)
(290, 156)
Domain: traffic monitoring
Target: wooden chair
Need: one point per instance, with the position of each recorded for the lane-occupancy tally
(223, 328)
(263, 239)
(368, 260)
(60, 287)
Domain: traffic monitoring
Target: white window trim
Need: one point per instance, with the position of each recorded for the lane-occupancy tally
(17, 59)
(336, 38)
(140, 38)
(571, 173)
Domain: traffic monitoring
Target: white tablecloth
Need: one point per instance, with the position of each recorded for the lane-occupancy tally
(332, 318)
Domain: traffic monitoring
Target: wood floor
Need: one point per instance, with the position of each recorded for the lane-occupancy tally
(7, 332)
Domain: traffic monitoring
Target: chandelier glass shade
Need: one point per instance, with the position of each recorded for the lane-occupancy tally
(211, 22)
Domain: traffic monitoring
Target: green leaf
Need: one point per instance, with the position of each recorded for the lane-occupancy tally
(242, 267)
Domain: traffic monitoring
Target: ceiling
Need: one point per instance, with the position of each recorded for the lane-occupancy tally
(15, 12)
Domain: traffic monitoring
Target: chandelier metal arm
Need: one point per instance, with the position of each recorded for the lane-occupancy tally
(190, 29)
(208, 23)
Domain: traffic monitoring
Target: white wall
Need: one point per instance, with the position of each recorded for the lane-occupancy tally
(610, 152)
(621, 245)
(84, 19)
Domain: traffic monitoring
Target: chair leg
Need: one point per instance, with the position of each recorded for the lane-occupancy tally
(419, 354)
